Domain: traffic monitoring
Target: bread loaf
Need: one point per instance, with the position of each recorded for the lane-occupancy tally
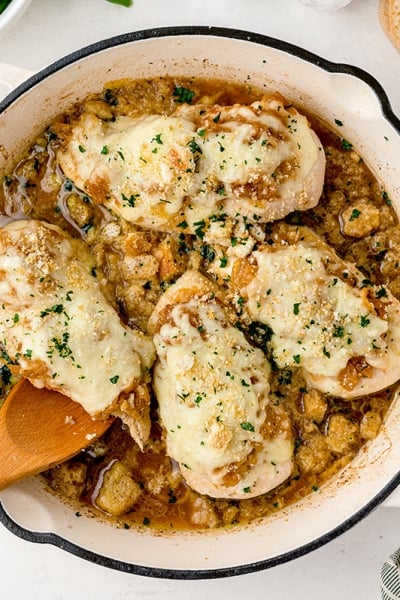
(389, 13)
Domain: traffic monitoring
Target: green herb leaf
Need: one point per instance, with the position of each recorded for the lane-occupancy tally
(194, 147)
(346, 145)
(126, 3)
(56, 308)
(199, 228)
(364, 321)
(3, 5)
(381, 293)
(354, 214)
(157, 138)
(247, 426)
(182, 94)
(326, 353)
(338, 331)
(131, 200)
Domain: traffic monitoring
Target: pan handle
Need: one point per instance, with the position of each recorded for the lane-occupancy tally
(11, 76)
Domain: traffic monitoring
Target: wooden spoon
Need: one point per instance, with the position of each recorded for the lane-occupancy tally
(40, 428)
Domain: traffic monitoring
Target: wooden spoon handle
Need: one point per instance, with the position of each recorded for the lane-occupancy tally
(40, 428)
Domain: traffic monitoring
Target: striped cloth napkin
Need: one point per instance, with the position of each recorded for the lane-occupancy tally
(390, 577)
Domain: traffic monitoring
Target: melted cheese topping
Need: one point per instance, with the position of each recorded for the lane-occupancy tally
(55, 323)
(142, 169)
(212, 388)
(260, 161)
(320, 321)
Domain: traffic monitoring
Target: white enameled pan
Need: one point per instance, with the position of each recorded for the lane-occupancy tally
(330, 90)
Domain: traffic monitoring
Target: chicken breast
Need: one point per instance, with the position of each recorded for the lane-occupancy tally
(324, 316)
(192, 168)
(58, 330)
(213, 389)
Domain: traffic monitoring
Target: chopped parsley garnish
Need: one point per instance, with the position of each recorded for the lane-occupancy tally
(338, 331)
(247, 426)
(326, 353)
(199, 228)
(61, 345)
(296, 308)
(221, 190)
(182, 94)
(131, 200)
(194, 147)
(346, 145)
(56, 308)
(354, 214)
(364, 321)
(114, 379)
(381, 293)
(157, 138)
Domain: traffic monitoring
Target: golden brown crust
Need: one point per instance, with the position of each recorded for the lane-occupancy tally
(389, 14)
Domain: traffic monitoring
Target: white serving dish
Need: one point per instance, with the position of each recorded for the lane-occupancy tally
(332, 91)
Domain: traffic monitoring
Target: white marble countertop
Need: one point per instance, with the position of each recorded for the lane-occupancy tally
(346, 568)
